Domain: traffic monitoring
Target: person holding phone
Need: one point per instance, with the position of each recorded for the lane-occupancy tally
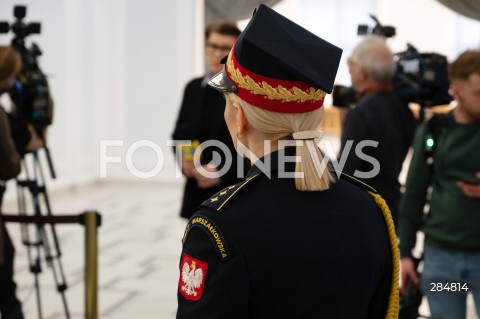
(452, 236)
(470, 185)
(200, 120)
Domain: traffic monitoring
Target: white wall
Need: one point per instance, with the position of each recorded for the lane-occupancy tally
(118, 67)
(116, 70)
(426, 24)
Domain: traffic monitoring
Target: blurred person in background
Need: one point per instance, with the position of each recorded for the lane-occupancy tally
(15, 140)
(201, 119)
(451, 227)
(379, 116)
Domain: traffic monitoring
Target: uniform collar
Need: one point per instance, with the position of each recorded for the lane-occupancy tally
(270, 162)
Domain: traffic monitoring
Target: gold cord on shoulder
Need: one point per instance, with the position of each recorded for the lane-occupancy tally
(393, 301)
(278, 93)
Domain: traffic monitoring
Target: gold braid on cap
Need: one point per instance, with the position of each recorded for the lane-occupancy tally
(278, 93)
(393, 301)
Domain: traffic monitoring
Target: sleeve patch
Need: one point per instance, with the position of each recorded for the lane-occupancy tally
(211, 229)
(193, 273)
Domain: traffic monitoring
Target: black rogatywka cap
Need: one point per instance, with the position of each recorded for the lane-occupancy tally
(278, 65)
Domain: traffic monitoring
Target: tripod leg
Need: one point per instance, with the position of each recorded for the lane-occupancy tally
(61, 287)
(36, 269)
(22, 208)
(36, 186)
(34, 262)
(53, 261)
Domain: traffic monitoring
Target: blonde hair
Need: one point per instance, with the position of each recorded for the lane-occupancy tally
(278, 126)
(10, 65)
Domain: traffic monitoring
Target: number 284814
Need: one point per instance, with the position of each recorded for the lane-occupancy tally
(448, 287)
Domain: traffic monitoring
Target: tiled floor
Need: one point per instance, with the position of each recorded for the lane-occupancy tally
(139, 248)
(139, 244)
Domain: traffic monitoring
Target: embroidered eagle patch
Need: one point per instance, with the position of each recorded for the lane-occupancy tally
(192, 277)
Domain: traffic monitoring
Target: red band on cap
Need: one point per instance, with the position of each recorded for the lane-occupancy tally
(273, 94)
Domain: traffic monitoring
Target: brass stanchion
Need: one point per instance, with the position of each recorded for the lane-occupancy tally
(92, 222)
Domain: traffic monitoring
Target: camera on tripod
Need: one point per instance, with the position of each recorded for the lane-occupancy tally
(30, 94)
(419, 78)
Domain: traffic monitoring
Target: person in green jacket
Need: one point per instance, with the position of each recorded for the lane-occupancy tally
(451, 185)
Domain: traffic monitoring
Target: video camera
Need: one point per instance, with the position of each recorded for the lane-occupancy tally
(380, 30)
(420, 77)
(30, 94)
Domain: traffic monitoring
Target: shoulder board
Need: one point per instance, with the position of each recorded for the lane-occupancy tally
(218, 201)
(358, 183)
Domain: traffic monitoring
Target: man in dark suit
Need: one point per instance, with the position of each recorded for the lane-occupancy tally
(381, 117)
(201, 119)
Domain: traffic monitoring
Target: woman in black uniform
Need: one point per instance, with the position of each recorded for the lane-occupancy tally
(293, 240)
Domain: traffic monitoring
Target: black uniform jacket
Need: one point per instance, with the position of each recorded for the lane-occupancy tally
(381, 117)
(266, 250)
(201, 118)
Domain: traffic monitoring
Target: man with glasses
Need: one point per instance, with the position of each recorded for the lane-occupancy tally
(201, 119)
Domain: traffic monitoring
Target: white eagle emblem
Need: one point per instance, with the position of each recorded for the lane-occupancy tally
(192, 278)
